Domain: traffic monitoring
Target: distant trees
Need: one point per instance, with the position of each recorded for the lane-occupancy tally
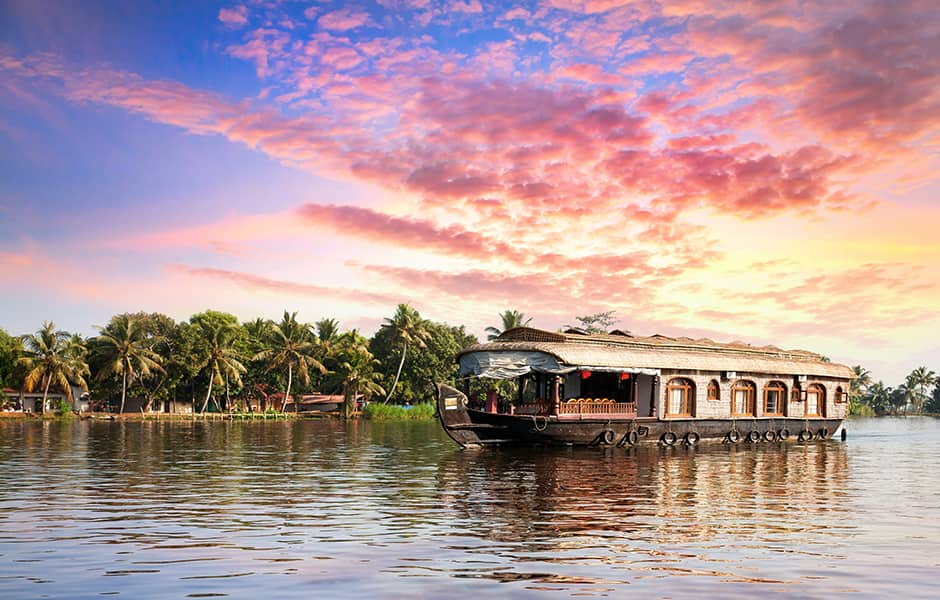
(291, 346)
(597, 322)
(911, 395)
(933, 404)
(11, 349)
(917, 383)
(218, 335)
(355, 367)
(407, 328)
(124, 348)
(53, 358)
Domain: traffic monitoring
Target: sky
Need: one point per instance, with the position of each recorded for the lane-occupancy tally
(757, 171)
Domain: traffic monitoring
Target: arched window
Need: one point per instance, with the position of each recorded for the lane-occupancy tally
(714, 392)
(841, 397)
(742, 398)
(815, 401)
(775, 399)
(680, 398)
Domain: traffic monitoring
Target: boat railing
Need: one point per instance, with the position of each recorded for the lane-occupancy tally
(597, 407)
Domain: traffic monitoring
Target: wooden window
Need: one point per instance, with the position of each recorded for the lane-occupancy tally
(775, 399)
(680, 398)
(796, 394)
(714, 392)
(743, 394)
(841, 397)
(815, 401)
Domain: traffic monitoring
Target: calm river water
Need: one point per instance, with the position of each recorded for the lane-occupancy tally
(327, 509)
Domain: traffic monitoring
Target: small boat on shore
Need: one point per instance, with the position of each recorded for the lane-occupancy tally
(574, 388)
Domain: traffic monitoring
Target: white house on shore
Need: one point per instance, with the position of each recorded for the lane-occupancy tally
(31, 402)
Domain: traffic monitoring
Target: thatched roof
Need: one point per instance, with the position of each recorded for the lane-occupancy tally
(660, 352)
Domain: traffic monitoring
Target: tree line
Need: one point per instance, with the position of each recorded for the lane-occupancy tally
(919, 393)
(212, 361)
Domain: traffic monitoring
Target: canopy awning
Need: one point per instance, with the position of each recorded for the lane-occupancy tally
(515, 363)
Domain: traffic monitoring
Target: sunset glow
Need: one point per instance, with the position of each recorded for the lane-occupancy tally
(765, 172)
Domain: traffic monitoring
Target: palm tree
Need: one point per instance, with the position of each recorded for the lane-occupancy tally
(408, 327)
(919, 379)
(291, 347)
(53, 357)
(356, 367)
(124, 348)
(511, 319)
(860, 385)
(879, 397)
(327, 330)
(222, 359)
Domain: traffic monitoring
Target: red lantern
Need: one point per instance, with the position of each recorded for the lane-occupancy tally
(585, 374)
(624, 376)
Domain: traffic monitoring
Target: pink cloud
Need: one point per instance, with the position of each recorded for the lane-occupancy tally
(411, 233)
(344, 20)
(468, 6)
(266, 284)
(235, 17)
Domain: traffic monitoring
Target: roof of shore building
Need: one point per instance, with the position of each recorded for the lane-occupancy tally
(622, 349)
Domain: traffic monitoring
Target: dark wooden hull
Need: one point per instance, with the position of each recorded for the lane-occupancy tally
(470, 427)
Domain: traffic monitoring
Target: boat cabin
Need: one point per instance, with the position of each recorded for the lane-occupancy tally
(572, 375)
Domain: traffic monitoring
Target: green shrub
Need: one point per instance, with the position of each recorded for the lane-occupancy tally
(395, 412)
(64, 409)
(861, 410)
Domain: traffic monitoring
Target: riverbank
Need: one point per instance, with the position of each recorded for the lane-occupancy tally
(378, 412)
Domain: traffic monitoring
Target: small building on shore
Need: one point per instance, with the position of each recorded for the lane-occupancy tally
(31, 402)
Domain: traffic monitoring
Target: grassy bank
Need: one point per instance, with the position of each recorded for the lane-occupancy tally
(394, 412)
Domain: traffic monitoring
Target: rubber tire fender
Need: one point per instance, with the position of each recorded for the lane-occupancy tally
(607, 436)
(669, 438)
(691, 438)
(734, 436)
(823, 433)
(753, 436)
(770, 436)
(806, 435)
(630, 438)
(783, 434)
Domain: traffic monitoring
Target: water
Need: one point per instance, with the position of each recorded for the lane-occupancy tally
(327, 509)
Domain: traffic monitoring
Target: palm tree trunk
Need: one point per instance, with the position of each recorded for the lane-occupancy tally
(347, 410)
(227, 400)
(401, 363)
(205, 404)
(290, 376)
(123, 390)
(45, 392)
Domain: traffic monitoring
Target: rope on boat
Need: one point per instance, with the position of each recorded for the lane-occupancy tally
(535, 423)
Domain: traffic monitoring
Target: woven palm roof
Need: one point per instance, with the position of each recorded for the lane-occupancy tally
(621, 349)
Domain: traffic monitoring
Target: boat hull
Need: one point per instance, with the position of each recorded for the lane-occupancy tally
(468, 427)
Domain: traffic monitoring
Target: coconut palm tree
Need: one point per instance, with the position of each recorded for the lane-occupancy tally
(511, 319)
(292, 347)
(53, 357)
(878, 397)
(917, 382)
(123, 348)
(859, 386)
(222, 361)
(356, 368)
(409, 328)
(327, 330)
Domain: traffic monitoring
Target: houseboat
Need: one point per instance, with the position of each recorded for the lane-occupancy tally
(573, 388)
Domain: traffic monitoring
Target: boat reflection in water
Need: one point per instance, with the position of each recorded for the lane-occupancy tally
(577, 516)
